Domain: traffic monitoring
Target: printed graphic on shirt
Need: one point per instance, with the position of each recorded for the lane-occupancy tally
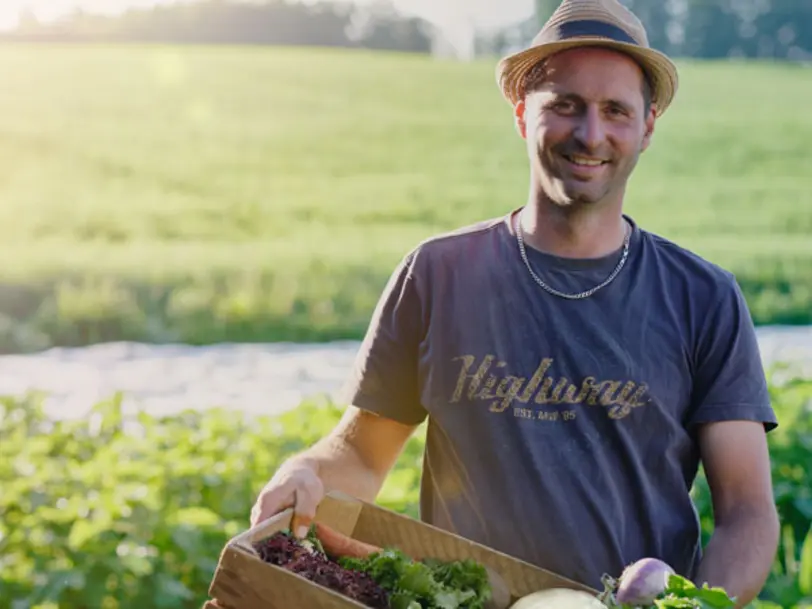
(544, 396)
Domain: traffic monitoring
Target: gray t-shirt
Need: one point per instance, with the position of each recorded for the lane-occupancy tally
(562, 432)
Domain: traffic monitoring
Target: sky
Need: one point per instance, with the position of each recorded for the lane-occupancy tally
(445, 13)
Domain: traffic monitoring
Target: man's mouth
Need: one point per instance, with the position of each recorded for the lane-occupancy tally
(584, 161)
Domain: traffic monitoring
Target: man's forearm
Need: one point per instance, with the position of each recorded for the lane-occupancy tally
(340, 468)
(741, 552)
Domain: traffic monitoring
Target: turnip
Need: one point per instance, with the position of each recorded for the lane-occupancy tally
(643, 581)
(558, 598)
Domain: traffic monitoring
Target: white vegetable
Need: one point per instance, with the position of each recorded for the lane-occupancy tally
(558, 598)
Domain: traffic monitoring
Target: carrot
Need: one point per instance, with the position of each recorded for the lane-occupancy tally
(339, 545)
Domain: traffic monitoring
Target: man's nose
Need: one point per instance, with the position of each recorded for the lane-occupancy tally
(590, 130)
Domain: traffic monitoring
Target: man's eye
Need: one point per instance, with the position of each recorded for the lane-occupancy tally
(563, 106)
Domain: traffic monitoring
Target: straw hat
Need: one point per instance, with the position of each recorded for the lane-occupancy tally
(605, 23)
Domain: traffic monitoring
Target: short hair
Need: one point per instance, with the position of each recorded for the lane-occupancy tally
(536, 75)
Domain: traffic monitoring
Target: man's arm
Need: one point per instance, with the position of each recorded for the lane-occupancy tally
(354, 458)
(731, 414)
(745, 538)
(384, 392)
(357, 455)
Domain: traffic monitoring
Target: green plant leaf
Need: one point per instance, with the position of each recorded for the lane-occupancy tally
(805, 566)
(195, 517)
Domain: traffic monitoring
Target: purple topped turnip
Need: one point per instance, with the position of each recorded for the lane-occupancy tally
(643, 581)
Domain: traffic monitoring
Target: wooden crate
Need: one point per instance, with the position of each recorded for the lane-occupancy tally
(243, 581)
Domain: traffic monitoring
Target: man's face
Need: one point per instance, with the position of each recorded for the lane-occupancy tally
(585, 125)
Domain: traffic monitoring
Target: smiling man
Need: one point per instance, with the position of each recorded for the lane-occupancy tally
(593, 119)
(574, 368)
(587, 115)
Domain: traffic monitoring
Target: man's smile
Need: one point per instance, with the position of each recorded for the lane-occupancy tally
(584, 165)
(584, 161)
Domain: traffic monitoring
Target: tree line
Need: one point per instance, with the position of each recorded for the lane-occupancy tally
(708, 29)
(279, 22)
(714, 29)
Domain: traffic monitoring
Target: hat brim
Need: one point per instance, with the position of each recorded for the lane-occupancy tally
(511, 70)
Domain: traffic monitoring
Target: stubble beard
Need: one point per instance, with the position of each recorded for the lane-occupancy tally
(566, 193)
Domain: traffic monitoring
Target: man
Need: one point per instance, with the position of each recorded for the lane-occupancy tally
(573, 367)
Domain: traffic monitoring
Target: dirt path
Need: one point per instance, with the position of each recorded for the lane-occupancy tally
(252, 378)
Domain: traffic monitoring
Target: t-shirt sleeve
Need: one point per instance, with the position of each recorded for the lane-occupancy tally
(729, 379)
(384, 378)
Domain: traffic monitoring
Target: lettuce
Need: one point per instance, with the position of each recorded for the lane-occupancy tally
(426, 584)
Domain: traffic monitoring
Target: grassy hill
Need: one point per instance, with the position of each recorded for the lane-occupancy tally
(206, 194)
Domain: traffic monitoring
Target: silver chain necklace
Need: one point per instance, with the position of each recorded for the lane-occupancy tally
(581, 295)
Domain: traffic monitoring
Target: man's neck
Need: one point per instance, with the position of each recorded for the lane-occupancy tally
(573, 233)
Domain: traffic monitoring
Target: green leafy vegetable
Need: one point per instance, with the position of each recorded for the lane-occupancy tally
(427, 584)
(680, 593)
(680, 590)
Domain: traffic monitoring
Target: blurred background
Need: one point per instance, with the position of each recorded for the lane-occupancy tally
(201, 201)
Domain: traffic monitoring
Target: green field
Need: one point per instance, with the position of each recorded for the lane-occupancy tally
(208, 194)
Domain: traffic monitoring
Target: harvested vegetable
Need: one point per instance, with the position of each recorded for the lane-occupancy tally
(558, 598)
(639, 581)
(304, 558)
(337, 544)
(381, 578)
(426, 583)
(643, 581)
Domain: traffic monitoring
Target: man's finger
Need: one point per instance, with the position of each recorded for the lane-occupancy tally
(271, 501)
(304, 510)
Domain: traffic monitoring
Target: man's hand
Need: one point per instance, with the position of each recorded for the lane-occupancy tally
(745, 539)
(295, 485)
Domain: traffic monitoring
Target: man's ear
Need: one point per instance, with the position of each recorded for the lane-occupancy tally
(651, 120)
(521, 123)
